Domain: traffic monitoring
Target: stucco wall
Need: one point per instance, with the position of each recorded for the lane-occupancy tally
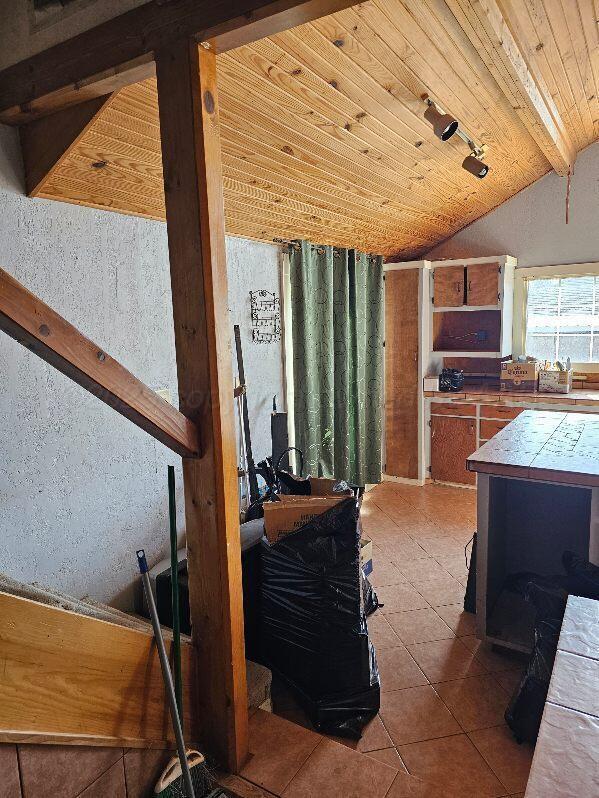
(532, 227)
(80, 486)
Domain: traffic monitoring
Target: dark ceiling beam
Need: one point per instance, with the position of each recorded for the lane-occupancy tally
(121, 51)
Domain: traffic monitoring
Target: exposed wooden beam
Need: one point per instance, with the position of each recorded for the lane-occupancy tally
(46, 141)
(121, 51)
(488, 30)
(35, 325)
(71, 679)
(191, 157)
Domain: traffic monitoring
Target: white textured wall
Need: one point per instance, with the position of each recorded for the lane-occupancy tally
(531, 226)
(81, 487)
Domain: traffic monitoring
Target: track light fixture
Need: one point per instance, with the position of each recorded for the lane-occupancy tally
(475, 166)
(444, 125)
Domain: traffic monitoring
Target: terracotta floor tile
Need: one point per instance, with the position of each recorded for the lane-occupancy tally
(415, 714)
(455, 565)
(442, 591)
(445, 659)
(62, 771)
(397, 670)
(143, 768)
(398, 598)
(407, 786)
(384, 572)
(389, 756)
(421, 570)
(476, 702)
(381, 633)
(401, 549)
(335, 771)
(419, 626)
(374, 737)
(111, 783)
(462, 623)
(278, 749)
(509, 680)
(509, 761)
(494, 660)
(441, 545)
(455, 765)
(10, 785)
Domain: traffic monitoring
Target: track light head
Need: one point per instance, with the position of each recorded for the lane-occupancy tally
(444, 125)
(475, 166)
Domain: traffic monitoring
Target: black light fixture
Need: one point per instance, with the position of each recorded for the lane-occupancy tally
(475, 166)
(444, 125)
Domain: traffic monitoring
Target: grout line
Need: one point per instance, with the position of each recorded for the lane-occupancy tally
(19, 770)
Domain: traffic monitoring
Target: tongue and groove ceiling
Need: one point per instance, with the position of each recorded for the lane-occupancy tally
(322, 126)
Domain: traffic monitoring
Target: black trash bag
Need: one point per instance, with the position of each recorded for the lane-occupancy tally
(313, 623)
(583, 576)
(470, 594)
(369, 597)
(525, 710)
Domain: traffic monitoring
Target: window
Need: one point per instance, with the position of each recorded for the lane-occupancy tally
(562, 318)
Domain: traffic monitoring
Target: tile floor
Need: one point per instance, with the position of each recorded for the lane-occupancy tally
(440, 732)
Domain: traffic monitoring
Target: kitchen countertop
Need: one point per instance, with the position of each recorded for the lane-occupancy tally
(486, 393)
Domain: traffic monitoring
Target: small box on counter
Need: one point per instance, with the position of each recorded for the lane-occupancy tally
(323, 486)
(517, 376)
(554, 381)
(431, 383)
(284, 517)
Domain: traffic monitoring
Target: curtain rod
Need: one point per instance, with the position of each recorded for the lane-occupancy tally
(320, 247)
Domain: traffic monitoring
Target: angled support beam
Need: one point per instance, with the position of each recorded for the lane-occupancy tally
(488, 30)
(191, 157)
(46, 141)
(121, 51)
(35, 325)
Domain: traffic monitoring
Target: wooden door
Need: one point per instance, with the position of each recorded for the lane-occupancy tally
(482, 284)
(401, 373)
(449, 286)
(452, 441)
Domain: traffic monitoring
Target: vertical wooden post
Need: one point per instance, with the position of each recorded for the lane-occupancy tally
(191, 158)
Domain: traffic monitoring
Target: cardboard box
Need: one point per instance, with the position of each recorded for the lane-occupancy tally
(430, 383)
(366, 555)
(519, 376)
(323, 486)
(555, 381)
(287, 516)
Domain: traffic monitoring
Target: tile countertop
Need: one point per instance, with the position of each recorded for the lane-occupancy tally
(486, 393)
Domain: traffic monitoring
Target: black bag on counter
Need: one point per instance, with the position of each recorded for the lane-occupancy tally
(313, 621)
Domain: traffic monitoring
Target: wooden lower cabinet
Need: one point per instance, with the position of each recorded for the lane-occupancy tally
(452, 441)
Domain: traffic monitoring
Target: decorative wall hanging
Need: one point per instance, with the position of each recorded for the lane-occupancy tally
(266, 317)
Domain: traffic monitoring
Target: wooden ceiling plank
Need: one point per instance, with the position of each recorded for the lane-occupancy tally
(43, 331)
(359, 165)
(591, 33)
(529, 23)
(120, 51)
(532, 101)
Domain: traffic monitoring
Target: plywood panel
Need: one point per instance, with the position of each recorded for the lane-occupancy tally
(449, 286)
(401, 373)
(452, 441)
(70, 676)
(482, 283)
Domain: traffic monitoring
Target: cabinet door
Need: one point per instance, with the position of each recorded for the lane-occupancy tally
(449, 286)
(401, 373)
(482, 284)
(452, 441)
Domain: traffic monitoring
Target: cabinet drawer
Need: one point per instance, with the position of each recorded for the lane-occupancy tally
(453, 409)
(488, 428)
(500, 411)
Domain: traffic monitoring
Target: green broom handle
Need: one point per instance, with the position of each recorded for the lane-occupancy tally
(172, 512)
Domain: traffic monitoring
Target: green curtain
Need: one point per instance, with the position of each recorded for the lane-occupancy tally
(337, 330)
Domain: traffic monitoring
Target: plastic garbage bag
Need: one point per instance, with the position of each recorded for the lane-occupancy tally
(583, 576)
(313, 621)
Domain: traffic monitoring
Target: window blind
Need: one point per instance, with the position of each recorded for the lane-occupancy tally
(562, 319)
